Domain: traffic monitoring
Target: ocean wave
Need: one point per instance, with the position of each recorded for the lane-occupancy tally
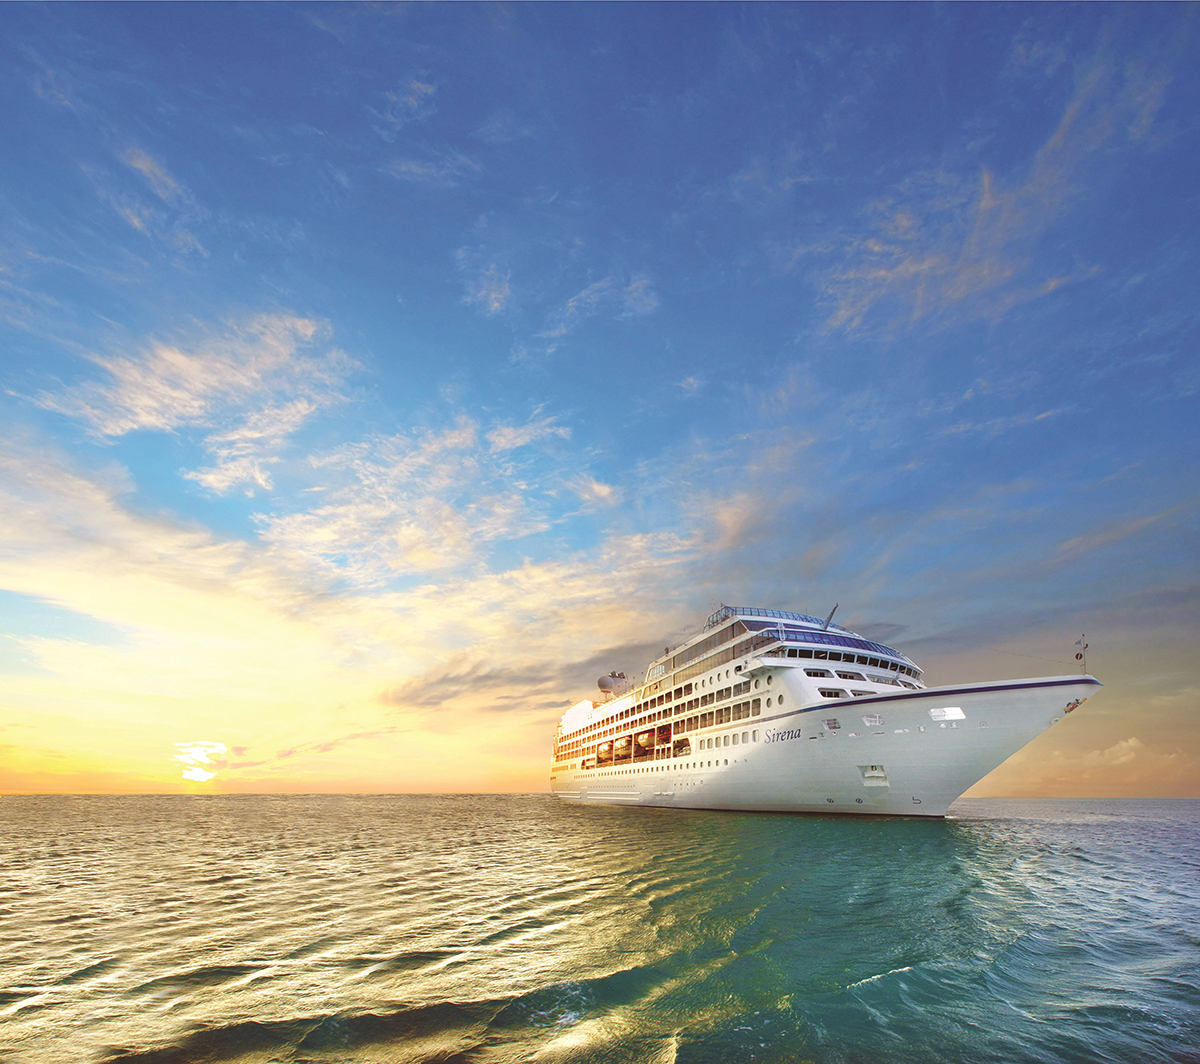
(496, 929)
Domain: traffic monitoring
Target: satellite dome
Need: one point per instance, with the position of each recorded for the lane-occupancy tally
(613, 684)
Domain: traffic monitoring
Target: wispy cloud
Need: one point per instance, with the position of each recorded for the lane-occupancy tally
(503, 128)
(443, 169)
(169, 219)
(943, 243)
(258, 379)
(411, 101)
(160, 182)
(594, 493)
(423, 502)
(992, 427)
(1078, 546)
(632, 297)
(489, 287)
(509, 437)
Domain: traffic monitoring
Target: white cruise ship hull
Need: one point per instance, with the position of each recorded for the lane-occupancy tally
(911, 753)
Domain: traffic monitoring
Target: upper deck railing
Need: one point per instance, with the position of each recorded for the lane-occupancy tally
(725, 612)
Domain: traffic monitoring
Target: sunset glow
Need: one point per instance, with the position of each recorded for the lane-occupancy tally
(376, 378)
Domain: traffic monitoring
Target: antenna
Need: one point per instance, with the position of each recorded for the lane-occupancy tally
(825, 626)
(1082, 655)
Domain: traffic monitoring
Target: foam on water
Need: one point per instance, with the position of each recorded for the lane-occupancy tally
(514, 928)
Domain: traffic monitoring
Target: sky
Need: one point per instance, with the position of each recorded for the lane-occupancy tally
(373, 378)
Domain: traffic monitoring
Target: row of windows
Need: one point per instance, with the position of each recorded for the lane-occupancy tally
(644, 744)
(836, 655)
(603, 757)
(793, 635)
(610, 725)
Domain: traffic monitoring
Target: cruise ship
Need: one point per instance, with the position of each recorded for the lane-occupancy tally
(770, 711)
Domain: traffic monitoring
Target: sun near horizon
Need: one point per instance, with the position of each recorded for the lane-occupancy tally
(375, 380)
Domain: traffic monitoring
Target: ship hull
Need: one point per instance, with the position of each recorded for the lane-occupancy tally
(906, 754)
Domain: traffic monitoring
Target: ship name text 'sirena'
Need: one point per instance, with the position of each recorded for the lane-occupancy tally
(777, 711)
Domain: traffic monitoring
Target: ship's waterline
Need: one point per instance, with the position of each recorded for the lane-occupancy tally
(780, 712)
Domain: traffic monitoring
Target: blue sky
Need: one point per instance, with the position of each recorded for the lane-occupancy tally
(374, 377)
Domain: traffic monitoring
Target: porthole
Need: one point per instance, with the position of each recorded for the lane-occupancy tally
(770, 678)
(781, 700)
(858, 801)
(756, 685)
(829, 800)
(768, 703)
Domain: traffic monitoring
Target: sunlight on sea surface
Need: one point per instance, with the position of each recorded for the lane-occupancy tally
(491, 929)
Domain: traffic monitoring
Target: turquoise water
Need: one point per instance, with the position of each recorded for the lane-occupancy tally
(513, 928)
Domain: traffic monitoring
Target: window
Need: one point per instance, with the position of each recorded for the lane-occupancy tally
(817, 672)
(852, 676)
(831, 692)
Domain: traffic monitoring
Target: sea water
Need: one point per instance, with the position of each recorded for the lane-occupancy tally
(481, 929)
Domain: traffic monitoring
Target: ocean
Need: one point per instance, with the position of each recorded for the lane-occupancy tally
(489, 929)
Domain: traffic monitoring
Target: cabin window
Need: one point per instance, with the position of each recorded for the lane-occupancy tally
(816, 672)
(735, 739)
(851, 676)
(756, 707)
(781, 700)
(831, 692)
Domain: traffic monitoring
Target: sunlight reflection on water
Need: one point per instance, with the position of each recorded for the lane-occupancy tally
(513, 927)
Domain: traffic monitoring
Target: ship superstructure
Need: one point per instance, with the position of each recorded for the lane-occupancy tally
(771, 710)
